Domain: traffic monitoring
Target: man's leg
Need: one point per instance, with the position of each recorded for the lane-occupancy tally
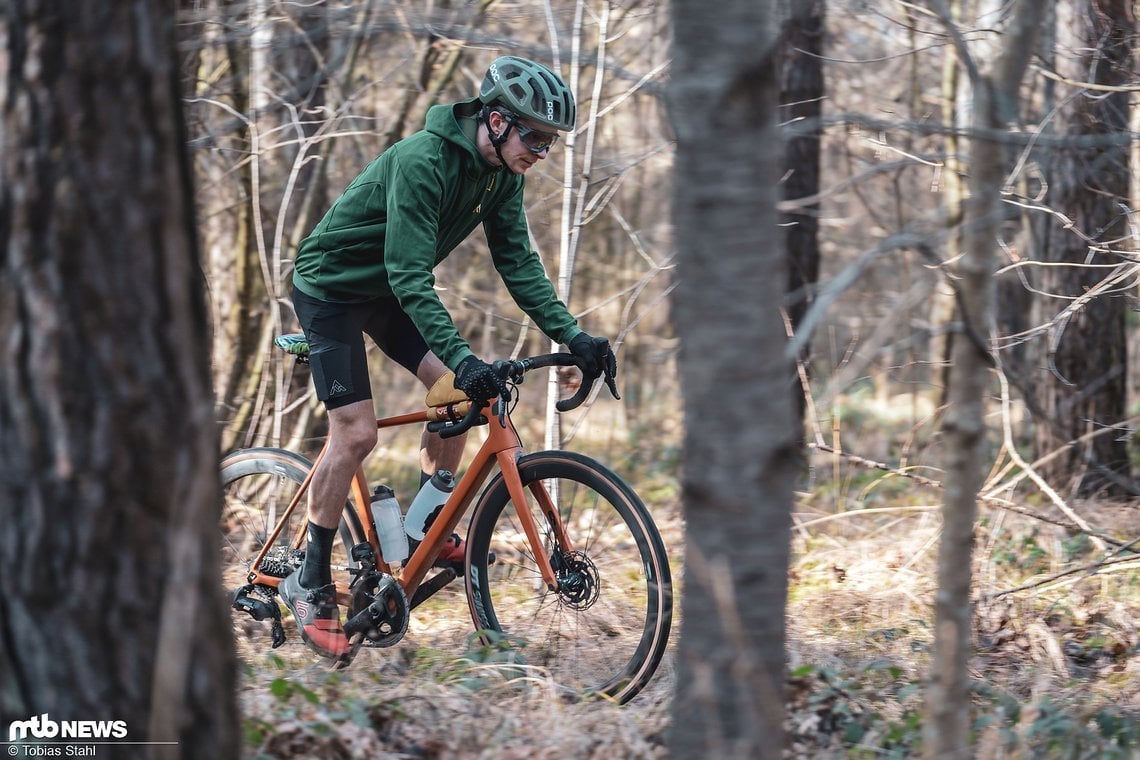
(437, 453)
(352, 436)
(308, 592)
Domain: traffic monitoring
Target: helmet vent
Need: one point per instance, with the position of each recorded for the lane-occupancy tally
(530, 91)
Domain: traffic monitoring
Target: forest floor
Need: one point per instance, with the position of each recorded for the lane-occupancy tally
(1056, 667)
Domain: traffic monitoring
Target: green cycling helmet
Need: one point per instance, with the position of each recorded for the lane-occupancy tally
(529, 90)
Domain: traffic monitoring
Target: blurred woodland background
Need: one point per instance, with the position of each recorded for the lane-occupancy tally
(952, 240)
(286, 102)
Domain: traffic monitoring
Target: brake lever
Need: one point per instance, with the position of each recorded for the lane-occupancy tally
(610, 373)
(504, 399)
(611, 383)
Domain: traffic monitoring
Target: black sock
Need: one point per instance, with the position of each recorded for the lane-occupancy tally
(315, 571)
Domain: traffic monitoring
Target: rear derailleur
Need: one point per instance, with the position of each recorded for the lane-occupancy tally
(260, 601)
(260, 609)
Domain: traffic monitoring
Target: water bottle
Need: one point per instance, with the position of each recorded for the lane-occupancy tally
(389, 525)
(431, 496)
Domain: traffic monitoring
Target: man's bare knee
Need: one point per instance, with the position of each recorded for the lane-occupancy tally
(361, 442)
(352, 429)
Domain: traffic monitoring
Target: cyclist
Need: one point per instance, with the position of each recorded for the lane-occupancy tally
(367, 269)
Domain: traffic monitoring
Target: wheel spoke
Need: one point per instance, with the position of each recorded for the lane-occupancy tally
(605, 628)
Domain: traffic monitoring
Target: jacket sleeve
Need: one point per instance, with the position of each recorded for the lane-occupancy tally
(414, 197)
(522, 271)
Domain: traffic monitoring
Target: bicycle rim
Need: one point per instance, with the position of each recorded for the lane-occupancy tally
(605, 632)
(258, 485)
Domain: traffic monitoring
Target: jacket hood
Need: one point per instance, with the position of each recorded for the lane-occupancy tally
(445, 121)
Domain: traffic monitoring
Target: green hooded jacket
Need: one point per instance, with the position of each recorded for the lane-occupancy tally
(410, 208)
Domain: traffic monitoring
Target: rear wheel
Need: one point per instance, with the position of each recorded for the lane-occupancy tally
(258, 485)
(605, 630)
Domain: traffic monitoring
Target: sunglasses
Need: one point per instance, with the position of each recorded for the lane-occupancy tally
(533, 139)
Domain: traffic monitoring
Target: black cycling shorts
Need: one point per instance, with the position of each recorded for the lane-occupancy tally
(336, 329)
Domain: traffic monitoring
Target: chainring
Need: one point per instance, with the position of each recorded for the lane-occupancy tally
(390, 610)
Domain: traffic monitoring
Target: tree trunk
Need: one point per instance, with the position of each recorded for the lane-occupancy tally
(1086, 386)
(740, 449)
(994, 104)
(801, 98)
(110, 601)
(942, 308)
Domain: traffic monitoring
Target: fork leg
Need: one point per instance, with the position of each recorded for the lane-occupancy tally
(553, 519)
(518, 494)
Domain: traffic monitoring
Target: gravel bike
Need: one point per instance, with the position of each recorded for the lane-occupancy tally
(564, 563)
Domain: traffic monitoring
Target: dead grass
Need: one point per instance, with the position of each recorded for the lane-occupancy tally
(368, 714)
(1054, 665)
(415, 702)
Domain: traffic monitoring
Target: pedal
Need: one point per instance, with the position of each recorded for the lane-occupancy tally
(354, 644)
(363, 552)
(365, 558)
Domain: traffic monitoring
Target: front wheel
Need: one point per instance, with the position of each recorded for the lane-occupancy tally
(604, 631)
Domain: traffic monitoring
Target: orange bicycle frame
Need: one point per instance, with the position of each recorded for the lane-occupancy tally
(502, 447)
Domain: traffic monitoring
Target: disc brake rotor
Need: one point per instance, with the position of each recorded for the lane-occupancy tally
(579, 582)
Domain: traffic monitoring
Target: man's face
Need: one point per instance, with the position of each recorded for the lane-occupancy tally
(518, 150)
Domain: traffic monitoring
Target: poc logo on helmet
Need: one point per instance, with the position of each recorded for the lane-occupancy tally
(494, 71)
(550, 110)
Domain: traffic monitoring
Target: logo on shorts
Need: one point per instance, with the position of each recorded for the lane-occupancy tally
(337, 388)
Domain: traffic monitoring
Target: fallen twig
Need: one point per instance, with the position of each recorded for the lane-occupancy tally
(991, 500)
(1091, 568)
